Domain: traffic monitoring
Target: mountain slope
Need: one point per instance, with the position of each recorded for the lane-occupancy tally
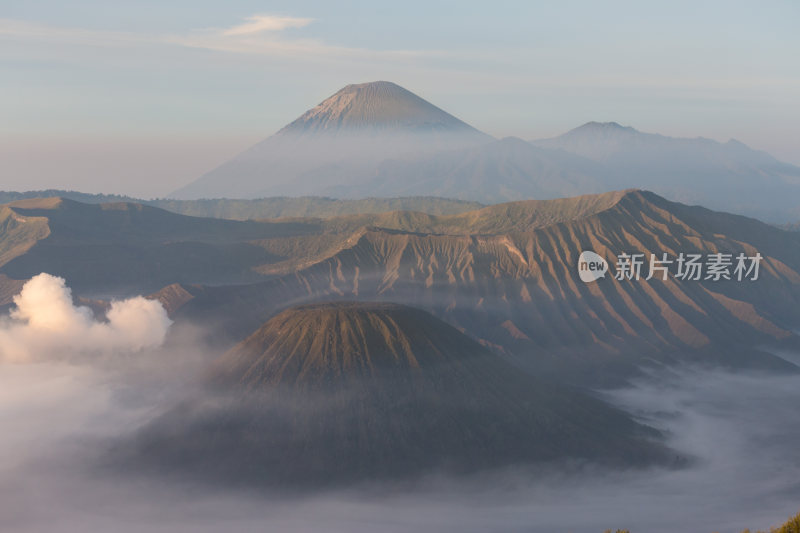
(379, 106)
(347, 392)
(124, 247)
(378, 139)
(728, 176)
(505, 273)
(18, 233)
(263, 208)
(313, 346)
(500, 171)
(516, 288)
(339, 141)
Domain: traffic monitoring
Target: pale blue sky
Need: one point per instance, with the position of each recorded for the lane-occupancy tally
(141, 97)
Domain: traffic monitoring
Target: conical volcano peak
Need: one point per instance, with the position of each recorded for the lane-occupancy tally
(340, 142)
(378, 105)
(323, 342)
(342, 392)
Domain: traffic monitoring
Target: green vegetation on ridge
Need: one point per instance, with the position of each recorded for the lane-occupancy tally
(263, 208)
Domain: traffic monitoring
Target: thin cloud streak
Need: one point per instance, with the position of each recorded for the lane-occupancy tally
(261, 23)
(261, 35)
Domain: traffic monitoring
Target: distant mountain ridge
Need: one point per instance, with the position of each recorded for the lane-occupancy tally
(604, 140)
(728, 176)
(125, 247)
(495, 172)
(379, 139)
(264, 208)
(594, 140)
(506, 274)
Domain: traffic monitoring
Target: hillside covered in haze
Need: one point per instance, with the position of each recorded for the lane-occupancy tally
(379, 139)
(332, 393)
(505, 274)
(261, 208)
(342, 138)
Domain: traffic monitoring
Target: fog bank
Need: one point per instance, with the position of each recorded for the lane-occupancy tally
(61, 406)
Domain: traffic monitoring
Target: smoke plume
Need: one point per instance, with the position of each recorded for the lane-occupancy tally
(46, 324)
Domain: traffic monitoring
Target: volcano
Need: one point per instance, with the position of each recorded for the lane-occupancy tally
(377, 106)
(340, 141)
(346, 392)
(727, 176)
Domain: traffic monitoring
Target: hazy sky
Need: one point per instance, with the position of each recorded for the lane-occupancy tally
(140, 97)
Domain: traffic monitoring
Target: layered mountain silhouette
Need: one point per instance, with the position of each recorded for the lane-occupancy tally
(728, 176)
(339, 141)
(341, 392)
(505, 274)
(378, 139)
(125, 247)
(498, 171)
(263, 208)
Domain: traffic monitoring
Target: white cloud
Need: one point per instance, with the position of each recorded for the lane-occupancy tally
(45, 324)
(258, 35)
(261, 23)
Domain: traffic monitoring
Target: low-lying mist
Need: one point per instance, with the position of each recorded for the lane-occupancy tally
(60, 409)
